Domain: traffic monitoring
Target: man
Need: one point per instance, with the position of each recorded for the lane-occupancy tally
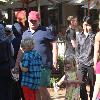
(70, 42)
(84, 53)
(45, 43)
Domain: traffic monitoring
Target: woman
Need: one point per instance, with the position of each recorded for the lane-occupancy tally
(6, 52)
(96, 95)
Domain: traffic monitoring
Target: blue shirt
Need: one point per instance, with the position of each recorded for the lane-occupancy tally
(42, 40)
(33, 61)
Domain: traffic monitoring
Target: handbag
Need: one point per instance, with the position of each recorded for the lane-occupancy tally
(15, 73)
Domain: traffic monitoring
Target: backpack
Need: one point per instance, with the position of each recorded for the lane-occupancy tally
(6, 59)
(17, 30)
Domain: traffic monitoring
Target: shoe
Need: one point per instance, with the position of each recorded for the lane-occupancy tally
(56, 87)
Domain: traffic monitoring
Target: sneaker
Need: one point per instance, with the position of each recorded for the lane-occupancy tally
(56, 87)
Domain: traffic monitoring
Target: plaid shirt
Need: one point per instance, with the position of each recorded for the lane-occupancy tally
(33, 61)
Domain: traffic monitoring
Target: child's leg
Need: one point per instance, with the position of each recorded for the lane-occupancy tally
(61, 80)
(29, 94)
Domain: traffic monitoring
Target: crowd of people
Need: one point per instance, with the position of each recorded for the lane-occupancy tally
(82, 52)
(34, 52)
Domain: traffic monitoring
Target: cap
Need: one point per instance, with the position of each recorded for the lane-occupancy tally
(34, 15)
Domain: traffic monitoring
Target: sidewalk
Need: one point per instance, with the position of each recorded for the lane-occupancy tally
(60, 95)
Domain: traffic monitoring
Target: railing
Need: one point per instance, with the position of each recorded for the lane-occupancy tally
(61, 45)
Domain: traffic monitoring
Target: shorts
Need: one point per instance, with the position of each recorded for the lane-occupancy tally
(29, 94)
(45, 77)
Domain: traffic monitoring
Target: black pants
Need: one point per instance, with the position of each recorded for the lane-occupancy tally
(17, 91)
(87, 76)
(6, 88)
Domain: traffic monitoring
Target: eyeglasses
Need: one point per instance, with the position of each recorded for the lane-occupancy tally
(8, 31)
(33, 21)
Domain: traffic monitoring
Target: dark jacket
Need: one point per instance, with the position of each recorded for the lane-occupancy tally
(70, 35)
(85, 48)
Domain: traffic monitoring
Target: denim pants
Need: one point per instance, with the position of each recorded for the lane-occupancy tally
(86, 76)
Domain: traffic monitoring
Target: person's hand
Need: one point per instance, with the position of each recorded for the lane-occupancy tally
(24, 69)
(55, 66)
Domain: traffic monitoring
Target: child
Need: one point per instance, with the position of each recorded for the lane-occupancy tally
(70, 80)
(31, 69)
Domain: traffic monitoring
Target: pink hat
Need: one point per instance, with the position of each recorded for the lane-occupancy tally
(34, 15)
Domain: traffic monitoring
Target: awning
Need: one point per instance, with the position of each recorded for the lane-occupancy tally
(76, 2)
(13, 4)
(95, 4)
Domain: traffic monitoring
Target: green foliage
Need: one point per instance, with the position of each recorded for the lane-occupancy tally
(52, 80)
(59, 73)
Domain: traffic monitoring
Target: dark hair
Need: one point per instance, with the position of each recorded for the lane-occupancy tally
(90, 22)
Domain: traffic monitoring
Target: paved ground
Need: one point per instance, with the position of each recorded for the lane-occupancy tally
(60, 95)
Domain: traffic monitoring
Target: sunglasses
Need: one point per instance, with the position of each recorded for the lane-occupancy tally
(8, 31)
(33, 21)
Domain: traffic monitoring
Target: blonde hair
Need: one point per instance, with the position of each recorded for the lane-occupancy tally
(27, 43)
(69, 18)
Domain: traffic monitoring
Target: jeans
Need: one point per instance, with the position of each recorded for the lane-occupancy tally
(86, 76)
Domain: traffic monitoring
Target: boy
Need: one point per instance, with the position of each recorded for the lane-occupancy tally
(31, 69)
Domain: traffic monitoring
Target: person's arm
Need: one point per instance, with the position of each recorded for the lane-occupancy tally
(19, 56)
(96, 48)
(12, 50)
(77, 48)
(24, 64)
(52, 39)
(73, 37)
(96, 90)
(55, 53)
(96, 87)
(23, 69)
(73, 43)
